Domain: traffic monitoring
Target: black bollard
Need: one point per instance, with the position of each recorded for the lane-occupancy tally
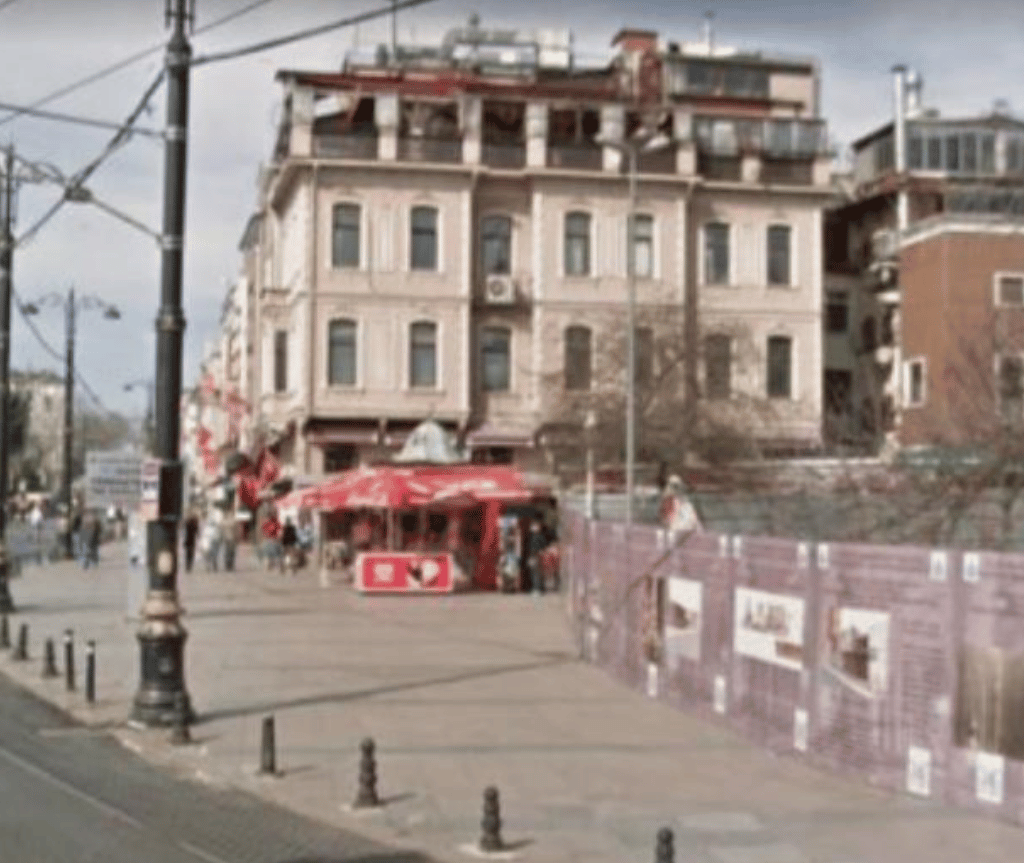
(49, 659)
(180, 735)
(21, 648)
(268, 756)
(490, 837)
(664, 851)
(5, 633)
(367, 795)
(69, 660)
(90, 672)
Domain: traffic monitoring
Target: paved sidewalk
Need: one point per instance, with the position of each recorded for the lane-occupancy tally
(460, 693)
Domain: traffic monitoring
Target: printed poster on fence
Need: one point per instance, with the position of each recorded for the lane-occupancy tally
(769, 627)
(858, 649)
(683, 621)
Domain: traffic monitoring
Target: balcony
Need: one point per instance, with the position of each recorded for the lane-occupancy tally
(714, 167)
(441, 150)
(773, 138)
(575, 157)
(658, 162)
(507, 156)
(787, 172)
(345, 146)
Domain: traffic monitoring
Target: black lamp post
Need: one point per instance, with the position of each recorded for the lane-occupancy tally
(71, 305)
(6, 260)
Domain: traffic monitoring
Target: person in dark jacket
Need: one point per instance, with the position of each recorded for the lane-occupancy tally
(191, 535)
(289, 545)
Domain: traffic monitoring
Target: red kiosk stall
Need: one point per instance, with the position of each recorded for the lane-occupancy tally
(421, 528)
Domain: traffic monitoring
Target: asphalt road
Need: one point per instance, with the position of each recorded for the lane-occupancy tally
(71, 794)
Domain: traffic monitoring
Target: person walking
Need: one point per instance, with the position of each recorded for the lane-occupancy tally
(35, 519)
(289, 546)
(229, 537)
(94, 539)
(271, 530)
(211, 541)
(191, 536)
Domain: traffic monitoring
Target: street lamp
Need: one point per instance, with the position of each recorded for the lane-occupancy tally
(149, 385)
(643, 142)
(71, 304)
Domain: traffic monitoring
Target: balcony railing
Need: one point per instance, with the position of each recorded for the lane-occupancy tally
(345, 146)
(580, 158)
(658, 162)
(445, 151)
(791, 172)
(777, 138)
(713, 167)
(510, 156)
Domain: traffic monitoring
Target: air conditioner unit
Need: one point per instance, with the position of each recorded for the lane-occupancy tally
(500, 290)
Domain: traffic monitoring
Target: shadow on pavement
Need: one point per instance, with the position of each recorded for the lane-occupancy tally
(340, 697)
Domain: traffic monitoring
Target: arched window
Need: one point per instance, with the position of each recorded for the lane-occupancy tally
(423, 354)
(345, 235)
(577, 244)
(341, 353)
(577, 358)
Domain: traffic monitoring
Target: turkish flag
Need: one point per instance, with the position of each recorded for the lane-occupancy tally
(268, 468)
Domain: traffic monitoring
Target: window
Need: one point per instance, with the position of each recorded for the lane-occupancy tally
(496, 245)
(280, 361)
(577, 244)
(339, 457)
(1014, 155)
(643, 369)
(341, 353)
(423, 354)
(345, 235)
(779, 254)
(577, 358)
(988, 154)
(716, 254)
(837, 314)
(934, 153)
(643, 246)
(970, 145)
(915, 382)
(496, 359)
(717, 366)
(952, 152)
(1011, 387)
(915, 153)
(780, 367)
(1010, 290)
(423, 249)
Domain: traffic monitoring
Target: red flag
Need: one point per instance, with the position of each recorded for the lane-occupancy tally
(268, 468)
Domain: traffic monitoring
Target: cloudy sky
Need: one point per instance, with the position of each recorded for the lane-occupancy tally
(968, 54)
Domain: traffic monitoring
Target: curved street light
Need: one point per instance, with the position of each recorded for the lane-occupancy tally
(71, 304)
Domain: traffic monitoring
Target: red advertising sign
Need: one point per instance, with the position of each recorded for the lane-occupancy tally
(404, 572)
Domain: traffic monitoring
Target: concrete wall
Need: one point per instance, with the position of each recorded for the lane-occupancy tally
(926, 705)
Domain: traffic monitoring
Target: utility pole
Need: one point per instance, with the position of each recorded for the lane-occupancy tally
(6, 260)
(162, 699)
(69, 418)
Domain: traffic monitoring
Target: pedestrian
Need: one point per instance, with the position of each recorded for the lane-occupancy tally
(191, 535)
(271, 530)
(289, 546)
(76, 532)
(229, 538)
(94, 540)
(211, 541)
(35, 518)
(535, 542)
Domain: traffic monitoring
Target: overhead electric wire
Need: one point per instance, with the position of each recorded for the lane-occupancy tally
(72, 118)
(122, 135)
(106, 71)
(349, 21)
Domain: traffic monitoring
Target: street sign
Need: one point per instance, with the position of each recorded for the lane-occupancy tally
(404, 572)
(112, 479)
(149, 489)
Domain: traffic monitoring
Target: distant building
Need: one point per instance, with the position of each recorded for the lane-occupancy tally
(442, 232)
(44, 440)
(926, 254)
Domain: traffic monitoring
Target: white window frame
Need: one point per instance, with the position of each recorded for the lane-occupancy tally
(511, 358)
(592, 256)
(438, 355)
(702, 256)
(364, 234)
(357, 384)
(908, 364)
(655, 272)
(791, 282)
(997, 278)
(439, 261)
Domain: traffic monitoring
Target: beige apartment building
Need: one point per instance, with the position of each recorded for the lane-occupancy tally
(443, 232)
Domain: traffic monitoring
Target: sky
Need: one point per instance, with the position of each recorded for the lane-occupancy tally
(969, 56)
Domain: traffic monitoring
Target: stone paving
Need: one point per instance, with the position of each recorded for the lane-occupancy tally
(460, 693)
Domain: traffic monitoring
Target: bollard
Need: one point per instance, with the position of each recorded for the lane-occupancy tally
(5, 633)
(268, 757)
(664, 851)
(490, 837)
(21, 648)
(90, 672)
(180, 735)
(69, 660)
(367, 795)
(49, 659)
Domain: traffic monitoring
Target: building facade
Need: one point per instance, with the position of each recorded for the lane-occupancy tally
(925, 253)
(444, 233)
